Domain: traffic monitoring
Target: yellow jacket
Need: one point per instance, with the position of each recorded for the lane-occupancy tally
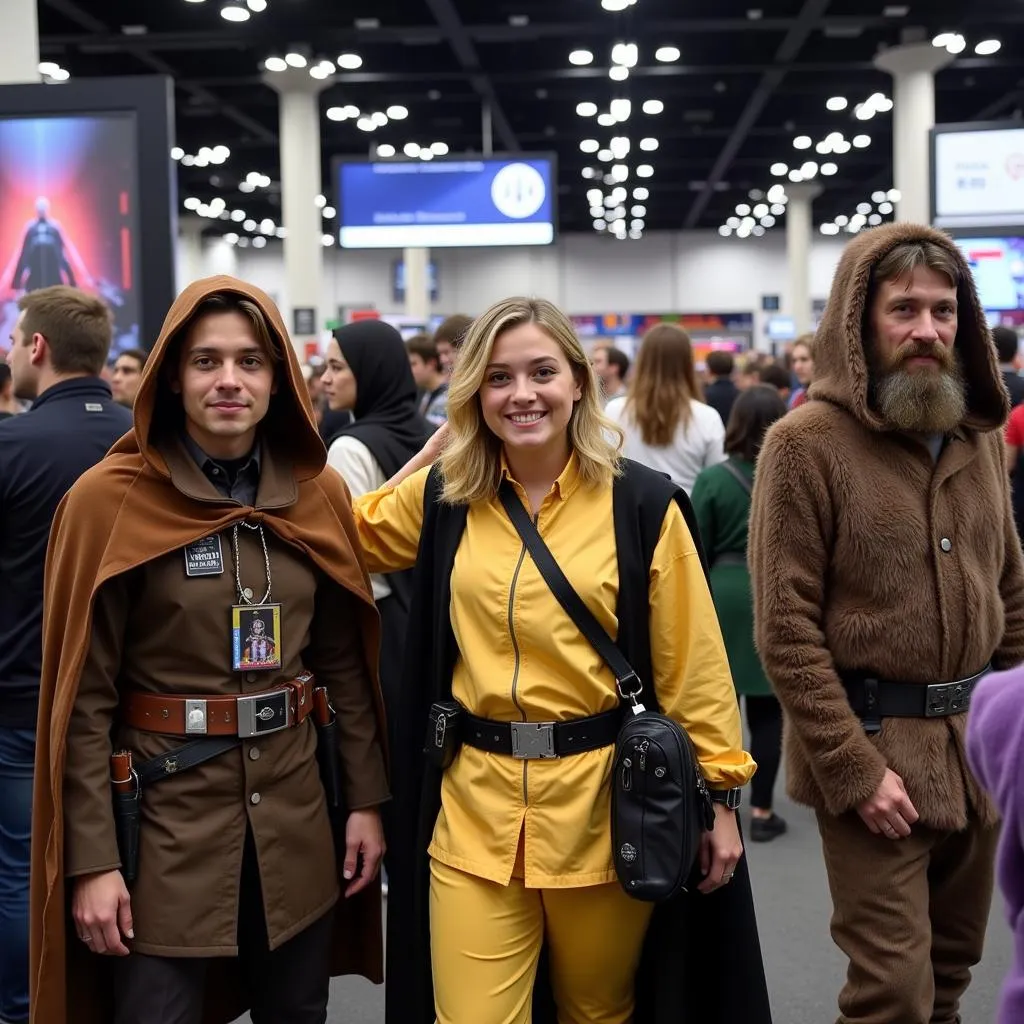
(522, 659)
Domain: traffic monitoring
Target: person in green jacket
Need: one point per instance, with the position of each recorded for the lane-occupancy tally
(721, 499)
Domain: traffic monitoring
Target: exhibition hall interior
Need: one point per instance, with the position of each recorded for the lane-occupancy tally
(636, 162)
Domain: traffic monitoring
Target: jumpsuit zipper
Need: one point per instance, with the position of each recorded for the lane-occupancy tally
(515, 648)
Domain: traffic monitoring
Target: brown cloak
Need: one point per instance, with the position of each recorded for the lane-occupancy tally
(122, 513)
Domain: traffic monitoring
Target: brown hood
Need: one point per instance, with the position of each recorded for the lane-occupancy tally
(289, 423)
(840, 365)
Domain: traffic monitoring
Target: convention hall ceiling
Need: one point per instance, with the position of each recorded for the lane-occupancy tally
(700, 101)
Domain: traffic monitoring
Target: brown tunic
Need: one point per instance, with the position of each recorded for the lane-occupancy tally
(157, 630)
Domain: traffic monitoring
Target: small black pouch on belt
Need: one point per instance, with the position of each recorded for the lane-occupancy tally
(444, 733)
(127, 795)
(328, 756)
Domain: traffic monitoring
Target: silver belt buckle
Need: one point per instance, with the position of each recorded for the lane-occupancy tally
(945, 699)
(264, 713)
(533, 741)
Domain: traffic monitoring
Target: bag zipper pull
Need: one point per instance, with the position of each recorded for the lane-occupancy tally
(642, 751)
(627, 775)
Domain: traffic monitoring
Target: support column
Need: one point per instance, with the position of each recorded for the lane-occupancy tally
(417, 284)
(300, 185)
(19, 43)
(799, 231)
(189, 263)
(913, 67)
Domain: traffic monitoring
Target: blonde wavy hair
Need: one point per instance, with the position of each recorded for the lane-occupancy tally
(471, 463)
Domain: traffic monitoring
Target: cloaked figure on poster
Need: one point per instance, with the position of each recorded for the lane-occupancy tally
(47, 255)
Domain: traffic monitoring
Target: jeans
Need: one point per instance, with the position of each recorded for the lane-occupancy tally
(17, 755)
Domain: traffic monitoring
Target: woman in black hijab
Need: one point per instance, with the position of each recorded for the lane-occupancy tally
(368, 373)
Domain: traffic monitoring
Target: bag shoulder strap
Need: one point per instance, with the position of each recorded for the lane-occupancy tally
(738, 476)
(626, 680)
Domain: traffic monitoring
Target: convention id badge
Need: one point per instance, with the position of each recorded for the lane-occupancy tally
(255, 637)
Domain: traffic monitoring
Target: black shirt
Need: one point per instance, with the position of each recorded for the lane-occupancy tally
(69, 428)
(238, 479)
(721, 395)
(1015, 385)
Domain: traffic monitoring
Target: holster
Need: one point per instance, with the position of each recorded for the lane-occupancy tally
(328, 758)
(127, 797)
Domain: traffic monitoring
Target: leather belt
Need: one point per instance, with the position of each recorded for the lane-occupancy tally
(528, 741)
(254, 714)
(873, 699)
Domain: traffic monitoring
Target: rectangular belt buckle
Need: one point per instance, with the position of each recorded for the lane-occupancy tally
(195, 718)
(532, 741)
(264, 713)
(947, 699)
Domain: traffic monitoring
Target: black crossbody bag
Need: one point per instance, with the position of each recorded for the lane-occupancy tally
(660, 800)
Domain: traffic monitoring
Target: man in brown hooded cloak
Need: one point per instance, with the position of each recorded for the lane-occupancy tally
(195, 578)
(887, 577)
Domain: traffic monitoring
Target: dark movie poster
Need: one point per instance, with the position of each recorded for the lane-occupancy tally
(69, 214)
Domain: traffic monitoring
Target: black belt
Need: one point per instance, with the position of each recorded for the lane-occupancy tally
(873, 699)
(532, 740)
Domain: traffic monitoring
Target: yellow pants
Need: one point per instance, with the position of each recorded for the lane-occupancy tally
(485, 942)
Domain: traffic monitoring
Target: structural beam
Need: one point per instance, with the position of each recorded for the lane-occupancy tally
(810, 13)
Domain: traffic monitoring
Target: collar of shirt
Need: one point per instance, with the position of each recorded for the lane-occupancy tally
(567, 482)
(74, 386)
(214, 470)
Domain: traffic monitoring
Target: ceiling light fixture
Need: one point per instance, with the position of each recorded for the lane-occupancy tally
(626, 54)
(439, 148)
(397, 112)
(295, 60)
(802, 142)
(641, 194)
(620, 147)
(667, 54)
(861, 141)
(829, 169)
(256, 6)
(349, 61)
(607, 120)
(645, 171)
(957, 44)
(385, 150)
(379, 118)
(586, 109)
(259, 242)
(620, 109)
(780, 169)
(366, 124)
(987, 47)
(648, 145)
(411, 149)
(618, 73)
(336, 114)
(589, 146)
(837, 103)
(581, 57)
(234, 11)
(616, 5)
(177, 152)
(653, 106)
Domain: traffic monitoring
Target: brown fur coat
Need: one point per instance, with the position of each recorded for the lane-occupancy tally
(849, 570)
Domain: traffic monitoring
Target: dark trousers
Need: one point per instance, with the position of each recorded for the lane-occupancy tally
(17, 754)
(287, 986)
(764, 719)
(910, 914)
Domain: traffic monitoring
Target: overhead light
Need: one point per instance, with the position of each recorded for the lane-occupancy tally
(778, 209)
(942, 40)
(411, 149)
(439, 148)
(607, 120)
(987, 47)
(863, 112)
(250, 225)
(842, 221)
(874, 220)
(758, 230)
(803, 142)
(321, 71)
(885, 207)
(351, 111)
(595, 196)
(829, 169)
(329, 213)
(777, 194)
(295, 60)
(637, 225)
(957, 44)
(641, 193)
(837, 103)
(619, 147)
(795, 177)
(256, 6)
(231, 238)
(336, 114)
(862, 141)
(243, 186)
(426, 154)
(586, 109)
(725, 231)
(238, 216)
(600, 225)
(397, 112)
(233, 11)
(620, 172)
(645, 171)
(841, 147)
(590, 146)
(878, 197)
(597, 211)
(653, 106)
(743, 210)
(733, 222)
(619, 196)
(379, 118)
(830, 229)
(768, 221)
(590, 172)
(618, 73)
(894, 195)
(366, 124)
(809, 169)
(320, 201)
(581, 57)
(385, 150)
(779, 169)
(639, 211)
(761, 210)
(625, 54)
(648, 145)
(667, 54)
(259, 242)
(192, 203)
(48, 67)
(267, 226)
(177, 153)
(620, 109)
(863, 209)
(349, 61)
(281, 232)
(616, 5)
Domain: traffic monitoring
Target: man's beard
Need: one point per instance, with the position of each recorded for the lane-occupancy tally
(922, 401)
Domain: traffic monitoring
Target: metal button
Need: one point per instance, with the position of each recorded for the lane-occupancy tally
(254, 754)
(946, 544)
(255, 799)
(247, 593)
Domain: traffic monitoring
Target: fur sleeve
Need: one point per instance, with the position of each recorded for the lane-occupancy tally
(791, 527)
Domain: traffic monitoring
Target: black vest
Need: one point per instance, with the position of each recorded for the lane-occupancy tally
(702, 958)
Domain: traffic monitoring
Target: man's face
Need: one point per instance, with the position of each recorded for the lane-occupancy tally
(607, 374)
(420, 371)
(225, 377)
(22, 359)
(446, 353)
(913, 325)
(124, 382)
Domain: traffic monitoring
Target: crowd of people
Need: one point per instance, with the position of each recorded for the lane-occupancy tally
(238, 591)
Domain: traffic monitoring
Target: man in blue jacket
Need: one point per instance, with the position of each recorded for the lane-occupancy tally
(57, 352)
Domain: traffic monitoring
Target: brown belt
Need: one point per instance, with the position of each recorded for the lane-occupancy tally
(255, 714)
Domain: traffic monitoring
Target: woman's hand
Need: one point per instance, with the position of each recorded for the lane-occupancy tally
(720, 850)
(426, 456)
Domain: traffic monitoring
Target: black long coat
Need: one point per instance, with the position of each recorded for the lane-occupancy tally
(702, 956)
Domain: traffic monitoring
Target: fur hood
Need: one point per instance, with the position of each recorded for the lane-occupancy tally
(840, 365)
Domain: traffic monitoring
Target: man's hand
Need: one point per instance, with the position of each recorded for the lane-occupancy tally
(720, 850)
(889, 811)
(102, 912)
(364, 848)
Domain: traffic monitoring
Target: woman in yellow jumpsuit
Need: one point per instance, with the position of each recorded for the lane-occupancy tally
(521, 851)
